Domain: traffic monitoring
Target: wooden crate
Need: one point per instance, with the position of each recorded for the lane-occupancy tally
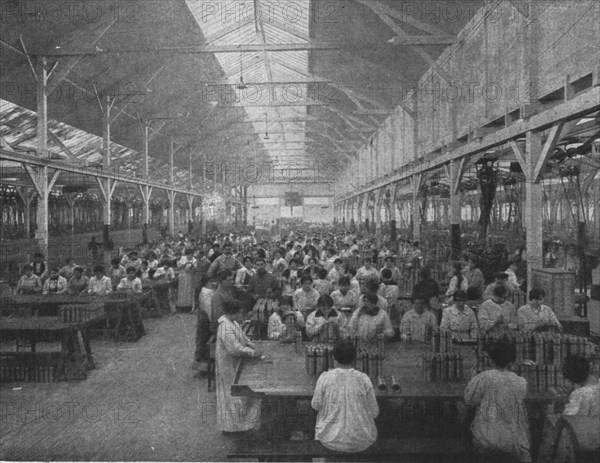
(39, 367)
(559, 286)
(78, 313)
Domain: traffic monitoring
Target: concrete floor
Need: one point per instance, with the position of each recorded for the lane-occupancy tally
(140, 403)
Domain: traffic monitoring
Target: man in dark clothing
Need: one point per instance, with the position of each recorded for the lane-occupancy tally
(216, 252)
(224, 294)
(263, 284)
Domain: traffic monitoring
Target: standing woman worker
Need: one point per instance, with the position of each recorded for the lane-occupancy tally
(234, 414)
(458, 282)
(185, 289)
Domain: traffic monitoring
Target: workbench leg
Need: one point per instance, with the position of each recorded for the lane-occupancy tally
(138, 320)
(88, 349)
(118, 326)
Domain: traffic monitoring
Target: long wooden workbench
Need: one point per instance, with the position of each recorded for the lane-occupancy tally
(420, 408)
(122, 308)
(283, 373)
(71, 362)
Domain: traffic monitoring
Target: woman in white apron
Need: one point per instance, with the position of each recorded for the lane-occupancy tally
(234, 414)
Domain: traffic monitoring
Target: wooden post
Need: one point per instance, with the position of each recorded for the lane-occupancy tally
(170, 193)
(455, 172)
(145, 190)
(359, 217)
(106, 185)
(532, 162)
(393, 212)
(377, 213)
(27, 195)
(245, 190)
(39, 175)
(190, 202)
(70, 198)
(415, 121)
(416, 208)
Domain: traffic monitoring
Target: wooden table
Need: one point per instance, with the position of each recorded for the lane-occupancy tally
(75, 354)
(283, 373)
(123, 308)
(281, 379)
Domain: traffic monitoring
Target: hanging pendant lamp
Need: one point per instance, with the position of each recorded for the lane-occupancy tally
(241, 85)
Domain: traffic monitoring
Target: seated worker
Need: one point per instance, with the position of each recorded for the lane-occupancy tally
(325, 324)
(475, 278)
(346, 406)
(354, 284)
(279, 263)
(132, 260)
(391, 266)
(99, 284)
(243, 275)
(344, 298)
(418, 320)
(40, 266)
(500, 278)
(131, 283)
(370, 319)
(78, 283)
(152, 260)
(116, 272)
(323, 286)
(459, 319)
(367, 272)
(295, 270)
(500, 429)
(458, 282)
(306, 297)
(55, 284)
(144, 272)
(585, 399)
(372, 287)
(536, 316)
(336, 272)
(29, 283)
(285, 322)
(513, 281)
(68, 269)
(288, 286)
(164, 272)
(388, 290)
(497, 312)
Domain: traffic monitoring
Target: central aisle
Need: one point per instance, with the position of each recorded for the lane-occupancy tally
(140, 403)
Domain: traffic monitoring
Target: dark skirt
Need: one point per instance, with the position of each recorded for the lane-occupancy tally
(203, 335)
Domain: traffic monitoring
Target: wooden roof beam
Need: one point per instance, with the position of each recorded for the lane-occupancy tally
(406, 18)
(383, 13)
